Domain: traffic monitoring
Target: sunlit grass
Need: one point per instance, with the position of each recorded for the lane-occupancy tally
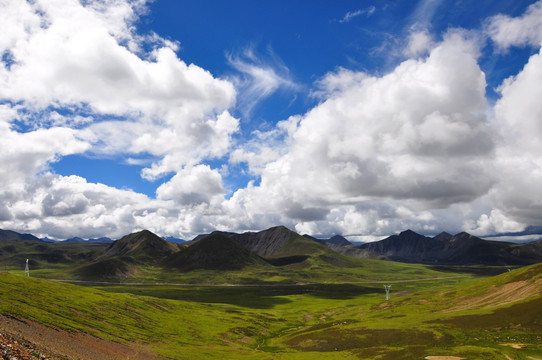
(327, 319)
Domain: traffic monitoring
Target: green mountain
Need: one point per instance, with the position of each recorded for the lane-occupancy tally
(141, 247)
(15, 248)
(279, 241)
(122, 258)
(213, 252)
(12, 235)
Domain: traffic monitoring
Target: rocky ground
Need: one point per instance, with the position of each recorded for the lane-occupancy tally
(22, 339)
(12, 348)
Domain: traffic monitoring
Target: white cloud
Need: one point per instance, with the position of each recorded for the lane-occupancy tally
(63, 206)
(524, 30)
(260, 77)
(419, 43)
(519, 164)
(380, 153)
(264, 147)
(67, 54)
(26, 154)
(192, 186)
(494, 223)
(352, 14)
(83, 80)
(416, 137)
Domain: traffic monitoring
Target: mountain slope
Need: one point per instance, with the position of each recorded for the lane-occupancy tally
(213, 252)
(497, 291)
(143, 247)
(459, 249)
(12, 235)
(122, 257)
(268, 242)
(407, 246)
(279, 241)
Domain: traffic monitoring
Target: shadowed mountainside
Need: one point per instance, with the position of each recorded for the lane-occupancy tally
(213, 252)
(121, 258)
(15, 248)
(12, 235)
(459, 249)
(268, 242)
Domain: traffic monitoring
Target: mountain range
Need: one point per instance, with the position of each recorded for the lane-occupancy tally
(459, 249)
(277, 246)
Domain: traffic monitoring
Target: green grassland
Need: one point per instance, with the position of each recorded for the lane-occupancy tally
(321, 265)
(339, 313)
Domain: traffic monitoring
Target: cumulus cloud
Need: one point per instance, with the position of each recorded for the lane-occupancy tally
(63, 206)
(69, 55)
(524, 30)
(419, 42)
(518, 115)
(418, 136)
(76, 77)
(264, 147)
(413, 148)
(26, 154)
(192, 186)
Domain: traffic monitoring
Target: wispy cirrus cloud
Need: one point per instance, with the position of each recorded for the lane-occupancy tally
(353, 14)
(258, 77)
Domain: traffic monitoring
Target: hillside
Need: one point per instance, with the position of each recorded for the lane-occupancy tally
(122, 258)
(459, 249)
(12, 235)
(213, 252)
(141, 247)
(268, 242)
(15, 248)
(278, 242)
(510, 287)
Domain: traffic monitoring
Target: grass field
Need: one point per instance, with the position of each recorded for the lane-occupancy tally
(470, 317)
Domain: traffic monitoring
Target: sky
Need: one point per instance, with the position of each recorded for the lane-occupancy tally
(359, 118)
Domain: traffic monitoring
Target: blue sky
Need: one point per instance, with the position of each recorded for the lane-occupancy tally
(360, 118)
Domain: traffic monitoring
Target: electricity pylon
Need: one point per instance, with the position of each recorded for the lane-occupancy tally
(387, 288)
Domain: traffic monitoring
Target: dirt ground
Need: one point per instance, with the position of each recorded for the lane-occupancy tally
(25, 340)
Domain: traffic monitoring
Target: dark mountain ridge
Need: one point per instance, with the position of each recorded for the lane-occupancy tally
(277, 246)
(459, 249)
(12, 235)
(268, 242)
(213, 252)
(101, 240)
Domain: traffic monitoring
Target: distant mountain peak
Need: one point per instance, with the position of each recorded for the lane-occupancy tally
(339, 240)
(443, 236)
(213, 252)
(12, 235)
(459, 249)
(142, 245)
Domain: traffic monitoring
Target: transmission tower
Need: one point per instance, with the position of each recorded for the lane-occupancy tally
(387, 288)
(26, 269)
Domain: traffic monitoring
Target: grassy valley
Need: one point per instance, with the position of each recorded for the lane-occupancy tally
(297, 300)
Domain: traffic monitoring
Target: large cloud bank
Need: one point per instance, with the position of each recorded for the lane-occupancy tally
(418, 147)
